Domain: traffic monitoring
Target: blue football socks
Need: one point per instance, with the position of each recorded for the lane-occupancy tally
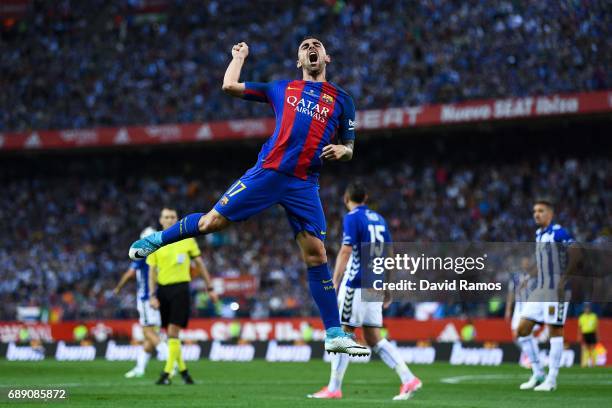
(185, 228)
(324, 295)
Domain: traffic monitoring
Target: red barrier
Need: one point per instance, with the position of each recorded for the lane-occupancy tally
(495, 330)
(369, 120)
(14, 8)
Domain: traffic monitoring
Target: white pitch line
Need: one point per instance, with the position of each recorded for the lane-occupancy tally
(594, 379)
(462, 378)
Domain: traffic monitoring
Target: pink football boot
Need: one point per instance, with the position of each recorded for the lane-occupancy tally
(406, 390)
(326, 394)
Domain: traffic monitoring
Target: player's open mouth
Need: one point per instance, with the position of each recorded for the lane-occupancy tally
(313, 56)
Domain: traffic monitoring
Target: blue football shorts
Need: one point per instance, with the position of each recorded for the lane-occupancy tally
(259, 189)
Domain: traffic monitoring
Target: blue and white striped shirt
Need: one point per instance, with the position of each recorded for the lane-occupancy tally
(520, 284)
(142, 278)
(551, 254)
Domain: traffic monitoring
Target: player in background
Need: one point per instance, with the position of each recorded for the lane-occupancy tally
(518, 290)
(169, 291)
(556, 258)
(517, 294)
(362, 225)
(315, 122)
(149, 318)
(587, 333)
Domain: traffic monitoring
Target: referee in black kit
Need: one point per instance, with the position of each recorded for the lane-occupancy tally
(169, 277)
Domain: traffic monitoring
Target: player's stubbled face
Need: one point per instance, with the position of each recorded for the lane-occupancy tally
(168, 218)
(312, 55)
(542, 214)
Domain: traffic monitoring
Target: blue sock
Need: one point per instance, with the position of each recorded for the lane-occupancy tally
(185, 228)
(324, 295)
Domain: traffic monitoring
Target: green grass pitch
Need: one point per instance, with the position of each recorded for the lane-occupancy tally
(262, 384)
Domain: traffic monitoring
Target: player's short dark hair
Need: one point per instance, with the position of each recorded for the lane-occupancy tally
(356, 192)
(168, 207)
(547, 201)
(310, 37)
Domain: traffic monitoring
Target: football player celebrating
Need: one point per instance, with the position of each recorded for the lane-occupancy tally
(309, 114)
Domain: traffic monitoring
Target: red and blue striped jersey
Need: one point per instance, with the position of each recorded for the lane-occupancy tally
(308, 115)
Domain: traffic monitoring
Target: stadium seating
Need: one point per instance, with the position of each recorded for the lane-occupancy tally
(81, 64)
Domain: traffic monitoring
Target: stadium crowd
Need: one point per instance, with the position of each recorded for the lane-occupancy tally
(71, 222)
(74, 64)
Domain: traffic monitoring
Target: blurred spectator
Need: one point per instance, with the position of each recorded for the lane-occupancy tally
(468, 331)
(80, 332)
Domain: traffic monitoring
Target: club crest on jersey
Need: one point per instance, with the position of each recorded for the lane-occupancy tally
(327, 98)
(224, 200)
(309, 108)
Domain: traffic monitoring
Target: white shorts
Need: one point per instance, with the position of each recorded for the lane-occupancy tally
(148, 315)
(516, 315)
(356, 313)
(553, 313)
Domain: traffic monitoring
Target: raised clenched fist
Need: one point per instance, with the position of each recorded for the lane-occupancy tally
(240, 50)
